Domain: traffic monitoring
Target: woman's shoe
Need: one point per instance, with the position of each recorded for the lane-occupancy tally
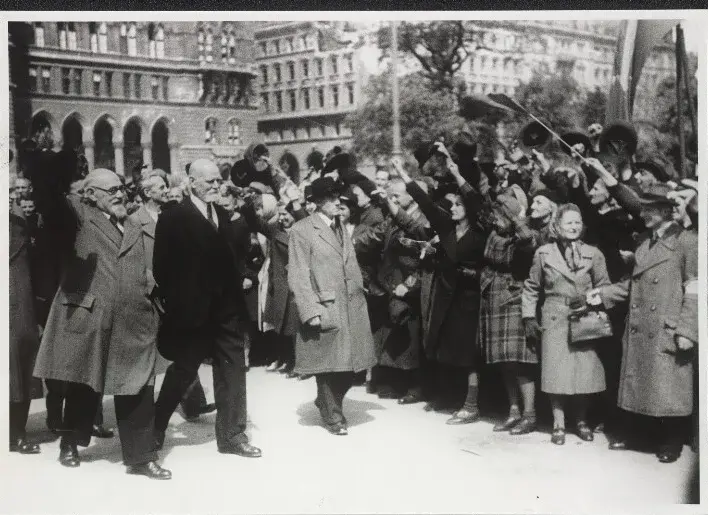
(272, 367)
(584, 432)
(526, 426)
(463, 417)
(508, 424)
(558, 436)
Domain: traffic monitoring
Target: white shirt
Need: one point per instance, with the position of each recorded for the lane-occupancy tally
(153, 214)
(327, 220)
(202, 207)
(118, 224)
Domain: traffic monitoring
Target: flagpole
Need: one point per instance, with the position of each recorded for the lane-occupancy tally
(394, 83)
(687, 80)
(679, 101)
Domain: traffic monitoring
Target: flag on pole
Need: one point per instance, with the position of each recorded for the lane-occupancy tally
(636, 41)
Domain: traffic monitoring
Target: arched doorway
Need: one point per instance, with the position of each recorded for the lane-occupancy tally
(72, 135)
(132, 148)
(104, 156)
(160, 146)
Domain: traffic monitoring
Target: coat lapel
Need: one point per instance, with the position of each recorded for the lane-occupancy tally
(556, 261)
(326, 233)
(140, 223)
(647, 258)
(102, 223)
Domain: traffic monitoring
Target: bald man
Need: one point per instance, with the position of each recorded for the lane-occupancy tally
(205, 311)
(101, 331)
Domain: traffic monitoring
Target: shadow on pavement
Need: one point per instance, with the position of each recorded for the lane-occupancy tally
(355, 411)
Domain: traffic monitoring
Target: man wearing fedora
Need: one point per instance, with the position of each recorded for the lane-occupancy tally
(656, 380)
(334, 340)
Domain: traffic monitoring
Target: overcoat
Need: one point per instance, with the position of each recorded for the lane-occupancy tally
(326, 281)
(655, 379)
(566, 368)
(132, 351)
(24, 335)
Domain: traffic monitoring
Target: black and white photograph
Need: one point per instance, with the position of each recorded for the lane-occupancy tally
(361, 262)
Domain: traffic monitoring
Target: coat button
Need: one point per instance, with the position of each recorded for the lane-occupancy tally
(653, 308)
(634, 306)
(651, 335)
(633, 330)
(655, 281)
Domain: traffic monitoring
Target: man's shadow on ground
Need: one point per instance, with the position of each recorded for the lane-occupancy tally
(356, 412)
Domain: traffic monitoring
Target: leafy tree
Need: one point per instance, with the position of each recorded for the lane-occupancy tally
(594, 108)
(555, 99)
(665, 102)
(425, 115)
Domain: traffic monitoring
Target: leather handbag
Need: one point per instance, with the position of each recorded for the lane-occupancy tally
(587, 326)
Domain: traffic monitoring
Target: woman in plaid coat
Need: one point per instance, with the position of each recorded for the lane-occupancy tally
(502, 335)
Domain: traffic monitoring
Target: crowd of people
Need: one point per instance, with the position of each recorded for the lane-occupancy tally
(570, 269)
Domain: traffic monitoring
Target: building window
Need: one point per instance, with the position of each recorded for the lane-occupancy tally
(289, 44)
(126, 85)
(123, 42)
(132, 40)
(293, 100)
(306, 98)
(165, 88)
(302, 43)
(276, 68)
(152, 51)
(350, 92)
(338, 128)
(38, 34)
(262, 49)
(33, 79)
(71, 40)
(46, 81)
(234, 133)
(279, 101)
(308, 131)
(77, 76)
(96, 84)
(264, 101)
(320, 97)
(200, 44)
(65, 80)
(276, 46)
(160, 42)
(155, 87)
(291, 70)
(335, 95)
(264, 73)
(210, 131)
(323, 131)
(224, 46)
(61, 26)
(93, 37)
(335, 64)
(232, 49)
(103, 38)
(305, 68)
(109, 84)
(320, 67)
(138, 79)
(209, 45)
(350, 62)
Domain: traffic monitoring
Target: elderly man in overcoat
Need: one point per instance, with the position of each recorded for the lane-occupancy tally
(102, 326)
(657, 372)
(334, 340)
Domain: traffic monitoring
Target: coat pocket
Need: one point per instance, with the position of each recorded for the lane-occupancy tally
(330, 313)
(79, 310)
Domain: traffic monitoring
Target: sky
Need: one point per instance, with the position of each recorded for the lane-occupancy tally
(694, 33)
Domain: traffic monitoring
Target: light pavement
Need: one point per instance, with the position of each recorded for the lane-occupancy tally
(396, 459)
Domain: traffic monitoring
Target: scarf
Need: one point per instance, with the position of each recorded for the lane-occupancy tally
(570, 250)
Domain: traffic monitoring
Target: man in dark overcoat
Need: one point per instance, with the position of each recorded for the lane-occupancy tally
(205, 312)
(93, 340)
(334, 341)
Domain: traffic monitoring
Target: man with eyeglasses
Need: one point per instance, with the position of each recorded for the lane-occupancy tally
(101, 331)
(205, 311)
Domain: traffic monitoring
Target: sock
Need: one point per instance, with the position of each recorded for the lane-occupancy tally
(514, 412)
(471, 400)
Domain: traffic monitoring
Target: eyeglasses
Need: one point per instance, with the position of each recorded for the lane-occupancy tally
(112, 191)
(216, 181)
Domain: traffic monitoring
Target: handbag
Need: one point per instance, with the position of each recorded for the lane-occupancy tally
(586, 326)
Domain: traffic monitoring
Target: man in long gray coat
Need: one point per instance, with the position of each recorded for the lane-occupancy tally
(102, 327)
(334, 340)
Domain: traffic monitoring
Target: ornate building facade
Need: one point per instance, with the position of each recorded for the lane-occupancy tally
(129, 94)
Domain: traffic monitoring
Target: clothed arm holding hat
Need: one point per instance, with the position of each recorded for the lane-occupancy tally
(299, 276)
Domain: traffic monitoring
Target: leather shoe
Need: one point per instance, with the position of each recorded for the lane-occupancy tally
(618, 445)
(304, 377)
(410, 398)
(584, 432)
(668, 455)
(507, 424)
(241, 449)
(101, 432)
(159, 439)
(338, 430)
(463, 417)
(69, 455)
(150, 470)
(386, 393)
(207, 408)
(22, 446)
(371, 387)
(558, 436)
(524, 427)
(292, 375)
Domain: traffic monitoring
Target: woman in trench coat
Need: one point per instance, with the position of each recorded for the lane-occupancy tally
(561, 275)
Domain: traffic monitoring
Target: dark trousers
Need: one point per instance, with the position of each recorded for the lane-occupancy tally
(56, 393)
(19, 411)
(194, 399)
(280, 348)
(223, 345)
(135, 415)
(653, 433)
(331, 389)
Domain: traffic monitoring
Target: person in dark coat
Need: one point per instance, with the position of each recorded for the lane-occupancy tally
(204, 309)
(86, 342)
(453, 330)
(334, 340)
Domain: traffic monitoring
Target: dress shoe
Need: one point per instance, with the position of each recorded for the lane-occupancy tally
(292, 375)
(69, 455)
(618, 445)
(272, 367)
(668, 455)
(338, 430)
(600, 428)
(101, 432)
(151, 470)
(463, 417)
(241, 449)
(22, 446)
(371, 387)
(207, 408)
(159, 439)
(506, 425)
(526, 426)
(410, 398)
(558, 436)
(283, 368)
(387, 393)
(304, 377)
(584, 432)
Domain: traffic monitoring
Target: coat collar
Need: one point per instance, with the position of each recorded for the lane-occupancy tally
(326, 233)
(139, 223)
(647, 258)
(555, 259)
(99, 219)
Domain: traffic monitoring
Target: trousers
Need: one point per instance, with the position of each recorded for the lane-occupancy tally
(331, 390)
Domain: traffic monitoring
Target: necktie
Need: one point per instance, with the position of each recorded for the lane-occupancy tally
(210, 217)
(115, 223)
(653, 240)
(337, 228)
